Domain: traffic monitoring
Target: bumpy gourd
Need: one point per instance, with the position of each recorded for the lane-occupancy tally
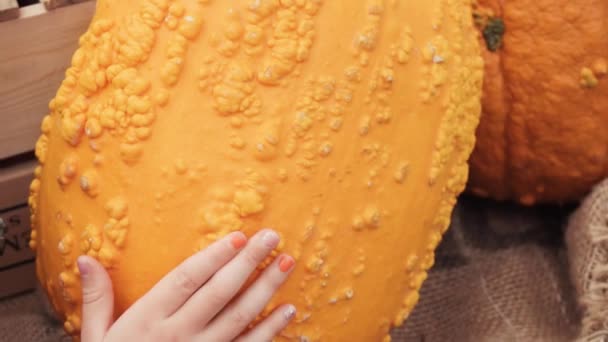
(345, 125)
(545, 102)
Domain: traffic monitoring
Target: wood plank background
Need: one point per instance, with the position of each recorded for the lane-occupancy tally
(15, 183)
(9, 9)
(35, 50)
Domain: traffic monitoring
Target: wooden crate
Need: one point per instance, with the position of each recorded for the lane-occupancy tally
(35, 50)
(16, 258)
(36, 45)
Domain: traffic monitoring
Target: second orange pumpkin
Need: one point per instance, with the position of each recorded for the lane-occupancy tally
(542, 136)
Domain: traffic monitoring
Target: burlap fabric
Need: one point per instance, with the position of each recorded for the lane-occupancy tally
(587, 240)
(502, 273)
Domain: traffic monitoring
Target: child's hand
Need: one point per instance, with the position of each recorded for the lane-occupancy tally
(195, 301)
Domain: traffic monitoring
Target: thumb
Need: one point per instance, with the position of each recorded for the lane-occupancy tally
(97, 300)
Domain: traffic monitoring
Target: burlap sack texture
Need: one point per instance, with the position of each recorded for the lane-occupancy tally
(587, 240)
(502, 273)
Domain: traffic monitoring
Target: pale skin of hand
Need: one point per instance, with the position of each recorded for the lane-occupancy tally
(198, 301)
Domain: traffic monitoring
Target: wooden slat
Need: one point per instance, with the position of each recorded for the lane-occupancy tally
(8, 4)
(35, 50)
(14, 242)
(18, 279)
(9, 9)
(51, 4)
(17, 272)
(15, 183)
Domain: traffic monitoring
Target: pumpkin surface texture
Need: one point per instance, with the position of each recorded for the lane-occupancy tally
(545, 101)
(344, 125)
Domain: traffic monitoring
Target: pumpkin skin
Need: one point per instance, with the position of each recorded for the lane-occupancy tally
(541, 137)
(180, 122)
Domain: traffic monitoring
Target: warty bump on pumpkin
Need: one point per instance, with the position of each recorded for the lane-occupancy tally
(545, 101)
(344, 125)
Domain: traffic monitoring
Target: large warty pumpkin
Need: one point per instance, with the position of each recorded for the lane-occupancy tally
(344, 125)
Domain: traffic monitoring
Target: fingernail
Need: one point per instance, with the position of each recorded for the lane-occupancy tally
(83, 266)
(238, 240)
(290, 312)
(271, 239)
(286, 263)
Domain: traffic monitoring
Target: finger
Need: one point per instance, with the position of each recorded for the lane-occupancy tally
(224, 285)
(270, 327)
(239, 314)
(97, 299)
(171, 292)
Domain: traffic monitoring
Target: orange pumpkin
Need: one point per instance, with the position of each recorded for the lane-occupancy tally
(344, 125)
(545, 100)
